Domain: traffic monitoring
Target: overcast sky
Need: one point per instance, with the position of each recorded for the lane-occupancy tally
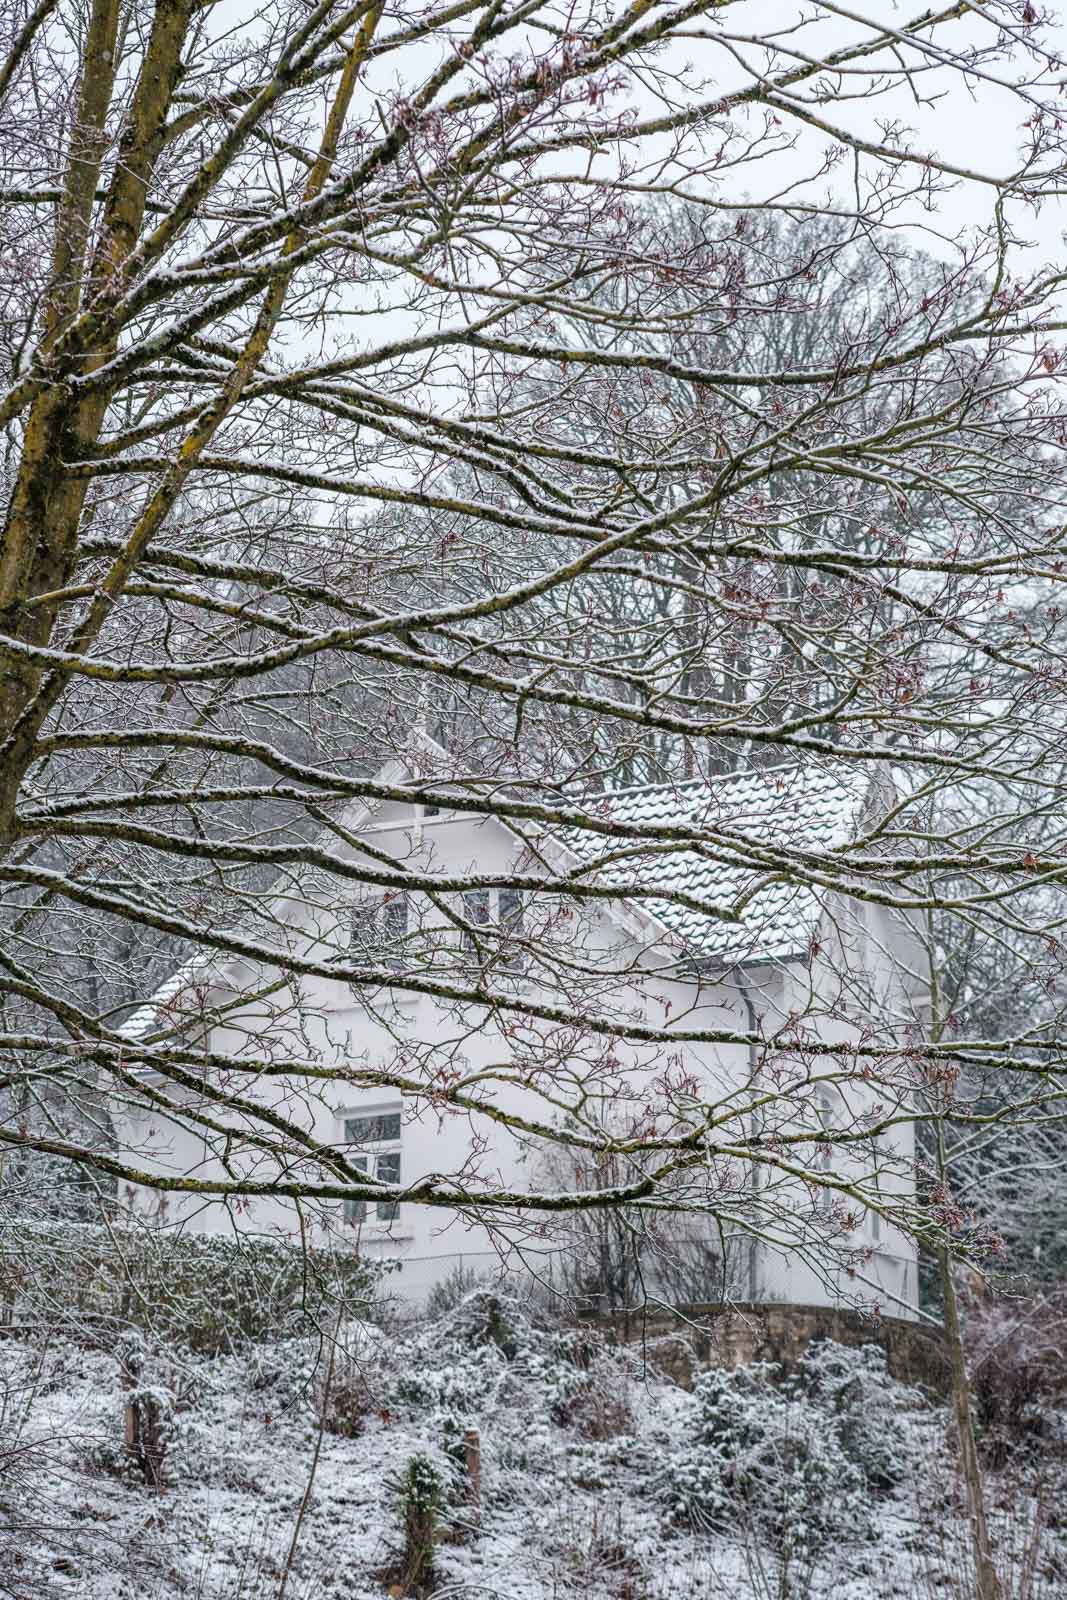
(975, 125)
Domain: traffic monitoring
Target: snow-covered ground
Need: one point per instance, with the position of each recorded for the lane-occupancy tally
(599, 1476)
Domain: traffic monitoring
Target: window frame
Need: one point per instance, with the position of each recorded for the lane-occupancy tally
(495, 921)
(381, 1144)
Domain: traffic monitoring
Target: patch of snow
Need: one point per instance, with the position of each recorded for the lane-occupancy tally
(584, 1451)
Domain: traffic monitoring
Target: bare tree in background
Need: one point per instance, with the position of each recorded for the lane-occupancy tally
(621, 1259)
(373, 367)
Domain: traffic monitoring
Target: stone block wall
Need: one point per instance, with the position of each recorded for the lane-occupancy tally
(684, 1341)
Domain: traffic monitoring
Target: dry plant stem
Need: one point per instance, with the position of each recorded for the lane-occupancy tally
(305, 1499)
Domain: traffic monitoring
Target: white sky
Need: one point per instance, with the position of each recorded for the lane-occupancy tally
(976, 124)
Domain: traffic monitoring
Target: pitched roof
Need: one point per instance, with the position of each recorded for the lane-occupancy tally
(196, 974)
(802, 806)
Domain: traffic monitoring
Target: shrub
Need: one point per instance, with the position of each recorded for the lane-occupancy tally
(587, 1384)
(460, 1386)
(151, 1427)
(1017, 1358)
(868, 1407)
(597, 1410)
(482, 1318)
(790, 1460)
(285, 1369)
(210, 1294)
(466, 1358)
(450, 1292)
(566, 1364)
(421, 1492)
(150, 1421)
(348, 1385)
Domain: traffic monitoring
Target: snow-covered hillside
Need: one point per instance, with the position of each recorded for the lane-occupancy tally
(599, 1476)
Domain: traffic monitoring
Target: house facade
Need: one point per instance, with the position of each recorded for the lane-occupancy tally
(413, 1081)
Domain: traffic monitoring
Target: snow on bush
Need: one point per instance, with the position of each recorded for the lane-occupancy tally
(597, 1476)
(870, 1410)
(285, 1371)
(208, 1293)
(420, 1492)
(459, 1364)
(797, 1458)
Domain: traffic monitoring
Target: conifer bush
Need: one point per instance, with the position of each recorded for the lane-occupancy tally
(421, 1491)
(869, 1408)
(798, 1459)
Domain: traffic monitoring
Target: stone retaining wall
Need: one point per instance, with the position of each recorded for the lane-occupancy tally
(684, 1341)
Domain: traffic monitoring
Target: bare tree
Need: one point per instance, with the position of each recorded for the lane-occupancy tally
(359, 375)
(620, 1259)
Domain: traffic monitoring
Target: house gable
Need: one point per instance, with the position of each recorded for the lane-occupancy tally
(769, 918)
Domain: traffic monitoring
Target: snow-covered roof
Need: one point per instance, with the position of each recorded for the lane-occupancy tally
(803, 806)
(175, 996)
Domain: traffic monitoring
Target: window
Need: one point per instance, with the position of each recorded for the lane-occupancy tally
(512, 913)
(510, 903)
(476, 911)
(376, 1138)
(382, 1128)
(377, 930)
(504, 911)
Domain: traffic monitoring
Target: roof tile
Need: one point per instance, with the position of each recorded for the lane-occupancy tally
(768, 810)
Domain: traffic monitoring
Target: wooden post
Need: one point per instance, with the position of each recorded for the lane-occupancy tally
(130, 1423)
(472, 1459)
(129, 1372)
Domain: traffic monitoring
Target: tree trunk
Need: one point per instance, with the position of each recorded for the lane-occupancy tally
(987, 1583)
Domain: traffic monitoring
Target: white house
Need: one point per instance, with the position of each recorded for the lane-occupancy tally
(411, 1066)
